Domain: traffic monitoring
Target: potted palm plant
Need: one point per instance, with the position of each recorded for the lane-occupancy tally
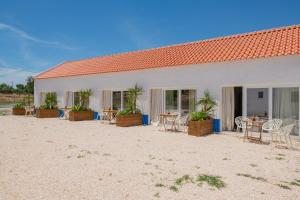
(81, 111)
(18, 109)
(131, 116)
(49, 109)
(201, 123)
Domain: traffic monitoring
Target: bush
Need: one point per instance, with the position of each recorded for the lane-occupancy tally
(78, 108)
(197, 116)
(133, 94)
(51, 100)
(124, 112)
(18, 106)
(207, 104)
(44, 106)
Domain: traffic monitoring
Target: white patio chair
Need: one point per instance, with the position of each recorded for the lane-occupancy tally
(242, 123)
(29, 111)
(171, 121)
(182, 121)
(272, 126)
(286, 131)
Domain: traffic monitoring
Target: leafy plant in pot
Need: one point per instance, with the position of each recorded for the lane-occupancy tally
(18, 109)
(49, 108)
(81, 111)
(201, 123)
(132, 115)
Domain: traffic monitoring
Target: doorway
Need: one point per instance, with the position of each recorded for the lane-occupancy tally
(232, 106)
(238, 103)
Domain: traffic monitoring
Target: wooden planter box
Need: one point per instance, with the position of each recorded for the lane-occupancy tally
(47, 113)
(81, 115)
(200, 128)
(18, 111)
(129, 120)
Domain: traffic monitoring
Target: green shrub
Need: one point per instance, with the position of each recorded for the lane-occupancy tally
(132, 96)
(197, 116)
(51, 100)
(18, 106)
(45, 106)
(124, 112)
(78, 108)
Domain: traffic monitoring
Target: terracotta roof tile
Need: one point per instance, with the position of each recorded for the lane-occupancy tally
(262, 44)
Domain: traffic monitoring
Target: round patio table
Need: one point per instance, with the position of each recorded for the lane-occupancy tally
(172, 117)
(254, 123)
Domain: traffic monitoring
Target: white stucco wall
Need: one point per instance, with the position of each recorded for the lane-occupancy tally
(277, 71)
(257, 106)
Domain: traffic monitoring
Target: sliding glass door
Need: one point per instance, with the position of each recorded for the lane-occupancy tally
(286, 106)
(116, 100)
(180, 101)
(120, 100)
(258, 102)
(188, 101)
(171, 101)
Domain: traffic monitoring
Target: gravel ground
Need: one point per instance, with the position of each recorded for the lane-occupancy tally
(57, 159)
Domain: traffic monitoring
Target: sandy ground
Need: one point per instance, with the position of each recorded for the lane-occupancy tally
(57, 159)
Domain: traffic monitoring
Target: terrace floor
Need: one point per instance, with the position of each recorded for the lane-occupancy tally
(58, 159)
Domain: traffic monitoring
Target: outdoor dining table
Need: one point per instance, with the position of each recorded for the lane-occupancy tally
(254, 123)
(110, 113)
(172, 117)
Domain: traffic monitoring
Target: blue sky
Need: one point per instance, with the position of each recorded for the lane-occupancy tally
(36, 35)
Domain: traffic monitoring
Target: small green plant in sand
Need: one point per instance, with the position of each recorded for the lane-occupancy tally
(159, 185)
(252, 177)
(183, 180)
(279, 158)
(213, 181)
(296, 182)
(283, 186)
(80, 156)
(156, 195)
(173, 188)
(253, 165)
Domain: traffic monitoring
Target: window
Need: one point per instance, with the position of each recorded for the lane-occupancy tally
(188, 100)
(260, 95)
(76, 98)
(286, 106)
(182, 101)
(125, 100)
(120, 100)
(171, 100)
(116, 98)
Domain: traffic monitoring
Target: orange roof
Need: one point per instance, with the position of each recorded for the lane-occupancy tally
(262, 44)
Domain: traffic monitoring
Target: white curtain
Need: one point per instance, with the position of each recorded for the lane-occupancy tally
(106, 99)
(42, 98)
(228, 108)
(68, 99)
(156, 104)
(286, 106)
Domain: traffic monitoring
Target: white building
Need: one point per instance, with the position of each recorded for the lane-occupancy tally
(254, 74)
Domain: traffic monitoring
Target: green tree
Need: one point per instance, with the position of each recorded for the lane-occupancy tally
(4, 88)
(133, 94)
(51, 100)
(20, 89)
(84, 96)
(29, 88)
(207, 103)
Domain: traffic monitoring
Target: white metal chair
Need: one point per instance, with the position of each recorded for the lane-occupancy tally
(182, 121)
(242, 123)
(272, 126)
(29, 111)
(286, 131)
(171, 121)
